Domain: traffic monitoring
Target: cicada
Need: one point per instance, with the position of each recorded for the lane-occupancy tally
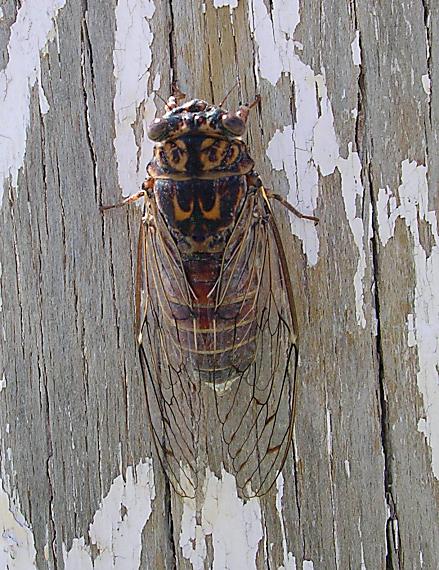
(218, 335)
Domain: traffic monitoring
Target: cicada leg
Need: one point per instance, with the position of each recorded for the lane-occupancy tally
(147, 185)
(253, 179)
(146, 192)
(129, 200)
(290, 207)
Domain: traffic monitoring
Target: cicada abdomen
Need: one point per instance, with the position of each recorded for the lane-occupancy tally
(218, 330)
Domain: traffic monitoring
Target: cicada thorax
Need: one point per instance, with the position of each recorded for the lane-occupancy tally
(204, 208)
(212, 325)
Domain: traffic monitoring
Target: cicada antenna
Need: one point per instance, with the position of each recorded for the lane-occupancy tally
(230, 91)
(255, 102)
(160, 97)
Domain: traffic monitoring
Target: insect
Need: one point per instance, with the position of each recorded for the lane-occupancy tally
(218, 335)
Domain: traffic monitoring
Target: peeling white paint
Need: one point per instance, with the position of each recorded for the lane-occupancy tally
(221, 3)
(347, 468)
(355, 48)
(289, 559)
(29, 34)
(117, 526)
(326, 155)
(423, 325)
(44, 103)
(353, 192)
(331, 478)
(362, 562)
(234, 525)
(3, 382)
(387, 214)
(290, 148)
(303, 183)
(132, 59)
(308, 565)
(310, 146)
(274, 37)
(426, 84)
(17, 544)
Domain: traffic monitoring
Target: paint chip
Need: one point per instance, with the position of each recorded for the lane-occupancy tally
(117, 534)
(17, 544)
(426, 84)
(423, 323)
(221, 3)
(234, 525)
(355, 48)
(29, 35)
(132, 58)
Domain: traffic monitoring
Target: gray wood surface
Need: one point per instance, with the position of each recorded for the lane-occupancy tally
(362, 491)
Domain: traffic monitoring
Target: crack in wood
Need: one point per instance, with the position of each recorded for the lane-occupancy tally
(394, 548)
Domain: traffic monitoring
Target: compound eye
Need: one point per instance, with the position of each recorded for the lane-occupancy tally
(157, 129)
(233, 123)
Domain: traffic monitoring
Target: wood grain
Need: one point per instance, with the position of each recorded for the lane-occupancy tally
(359, 490)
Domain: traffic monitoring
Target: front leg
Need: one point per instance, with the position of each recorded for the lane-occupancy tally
(147, 186)
(253, 179)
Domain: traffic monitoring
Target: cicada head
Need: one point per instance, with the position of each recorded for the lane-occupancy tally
(198, 117)
(199, 140)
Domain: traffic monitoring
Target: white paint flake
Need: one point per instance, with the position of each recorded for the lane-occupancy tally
(426, 84)
(3, 382)
(132, 59)
(17, 544)
(234, 525)
(303, 183)
(353, 192)
(362, 562)
(117, 526)
(290, 148)
(289, 559)
(308, 565)
(347, 468)
(221, 3)
(29, 35)
(326, 155)
(355, 48)
(274, 37)
(310, 146)
(423, 325)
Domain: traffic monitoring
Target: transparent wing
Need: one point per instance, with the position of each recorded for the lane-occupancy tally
(172, 392)
(256, 412)
(254, 403)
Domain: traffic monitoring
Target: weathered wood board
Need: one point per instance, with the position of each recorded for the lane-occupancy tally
(348, 130)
